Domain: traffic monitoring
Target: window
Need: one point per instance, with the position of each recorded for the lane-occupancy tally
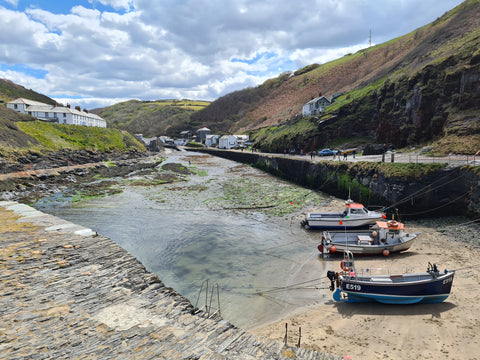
(15, 106)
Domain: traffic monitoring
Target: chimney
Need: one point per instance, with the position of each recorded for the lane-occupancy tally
(78, 108)
(85, 110)
(68, 106)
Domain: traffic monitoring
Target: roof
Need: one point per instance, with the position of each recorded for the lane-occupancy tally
(204, 129)
(28, 102)
(316, 99)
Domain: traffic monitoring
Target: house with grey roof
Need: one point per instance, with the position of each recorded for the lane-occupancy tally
(315, 106)
(57, 114)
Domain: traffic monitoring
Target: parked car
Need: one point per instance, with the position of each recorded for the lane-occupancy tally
(325, 152)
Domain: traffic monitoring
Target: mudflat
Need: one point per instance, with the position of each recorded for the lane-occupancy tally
(448, 330)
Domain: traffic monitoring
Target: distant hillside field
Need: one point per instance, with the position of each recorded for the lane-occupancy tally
(152, 118)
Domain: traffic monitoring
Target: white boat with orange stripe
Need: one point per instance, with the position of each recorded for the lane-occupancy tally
(355, 216)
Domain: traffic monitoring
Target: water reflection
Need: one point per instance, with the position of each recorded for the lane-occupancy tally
(243, 253)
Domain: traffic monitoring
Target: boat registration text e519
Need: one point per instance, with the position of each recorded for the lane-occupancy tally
(354, 287)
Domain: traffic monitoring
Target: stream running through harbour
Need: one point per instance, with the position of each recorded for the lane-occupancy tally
(184, 233)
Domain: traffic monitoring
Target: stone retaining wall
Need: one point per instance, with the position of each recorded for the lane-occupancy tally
(67, 292)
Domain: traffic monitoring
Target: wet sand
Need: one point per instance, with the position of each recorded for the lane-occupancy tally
(449, 330)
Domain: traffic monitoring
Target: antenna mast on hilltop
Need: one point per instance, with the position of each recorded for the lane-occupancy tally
(370, 39)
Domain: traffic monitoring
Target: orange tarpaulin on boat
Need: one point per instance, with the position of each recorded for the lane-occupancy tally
(396, 225)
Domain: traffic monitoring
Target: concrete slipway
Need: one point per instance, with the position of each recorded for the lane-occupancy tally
(67, 292)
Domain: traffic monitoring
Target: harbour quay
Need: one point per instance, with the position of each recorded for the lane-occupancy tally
(68, 292)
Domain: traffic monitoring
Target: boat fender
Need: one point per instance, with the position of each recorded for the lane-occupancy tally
(333, 249)
(385, 252)
(320, 248)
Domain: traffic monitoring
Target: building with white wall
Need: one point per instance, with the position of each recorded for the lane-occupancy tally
(57, 114)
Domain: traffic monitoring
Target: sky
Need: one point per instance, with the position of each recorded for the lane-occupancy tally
(95, 53)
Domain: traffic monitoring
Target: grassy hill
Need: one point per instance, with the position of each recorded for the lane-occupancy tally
(416, 89)
(22, 135)
(10, 91)
(152, 118)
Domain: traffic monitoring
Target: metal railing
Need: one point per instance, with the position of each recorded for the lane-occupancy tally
(210, 311)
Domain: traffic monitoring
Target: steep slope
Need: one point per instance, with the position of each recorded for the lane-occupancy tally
(10, 91)
(417, 88)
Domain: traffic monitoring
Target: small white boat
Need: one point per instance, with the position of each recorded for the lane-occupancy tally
(385, 238)
(431, 286)
(355, 216)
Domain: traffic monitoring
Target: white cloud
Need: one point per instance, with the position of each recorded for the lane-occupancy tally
(193, 48)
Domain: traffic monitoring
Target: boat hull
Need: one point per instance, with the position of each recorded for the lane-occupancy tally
(339, 223)
(400, 289)
(372, 249)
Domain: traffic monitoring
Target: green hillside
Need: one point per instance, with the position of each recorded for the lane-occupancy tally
(152, 118)
(21, 135)
(421, 88)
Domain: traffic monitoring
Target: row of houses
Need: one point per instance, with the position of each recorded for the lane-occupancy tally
(205, 136)
(57, 114)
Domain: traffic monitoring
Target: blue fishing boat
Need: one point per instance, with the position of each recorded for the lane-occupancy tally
(431, 286)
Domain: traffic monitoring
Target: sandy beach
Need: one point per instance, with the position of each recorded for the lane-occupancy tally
(449, 330)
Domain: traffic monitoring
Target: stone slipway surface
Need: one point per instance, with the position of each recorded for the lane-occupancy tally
(67, 292)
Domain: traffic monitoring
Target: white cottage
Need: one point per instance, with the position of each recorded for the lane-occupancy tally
(211, 140)
(230, 141)
(315, 106)
(227, 142)
(57, 114)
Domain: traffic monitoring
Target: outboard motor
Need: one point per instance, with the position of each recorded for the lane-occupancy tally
(331, 276)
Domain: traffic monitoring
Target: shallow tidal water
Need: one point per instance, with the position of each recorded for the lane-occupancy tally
(184, 233)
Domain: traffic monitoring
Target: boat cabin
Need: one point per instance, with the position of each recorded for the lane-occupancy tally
(355, 209)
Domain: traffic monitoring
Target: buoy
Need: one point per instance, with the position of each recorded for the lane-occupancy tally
(386, 252)
(341, 222)
(374, 233)
(333, 248)
(352, 273)
(320, 248)
(393, 223)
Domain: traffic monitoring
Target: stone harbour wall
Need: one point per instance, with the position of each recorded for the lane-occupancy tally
(434, 194)
(67, 292)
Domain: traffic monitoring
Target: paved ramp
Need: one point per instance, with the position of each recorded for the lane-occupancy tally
(67, 292)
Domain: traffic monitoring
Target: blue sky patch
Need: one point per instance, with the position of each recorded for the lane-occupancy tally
(58, 6)
(25, 69)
